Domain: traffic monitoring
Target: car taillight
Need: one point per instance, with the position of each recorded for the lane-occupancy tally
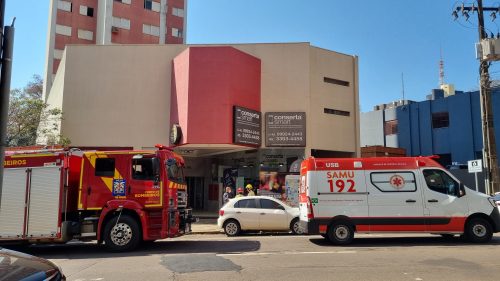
(221, 213)
(310, 212)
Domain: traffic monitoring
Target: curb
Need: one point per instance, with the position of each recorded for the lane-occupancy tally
(207, 232)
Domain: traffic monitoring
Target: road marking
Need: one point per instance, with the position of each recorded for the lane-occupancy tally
(285, 253)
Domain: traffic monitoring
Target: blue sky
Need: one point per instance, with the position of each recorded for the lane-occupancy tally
(390, 37)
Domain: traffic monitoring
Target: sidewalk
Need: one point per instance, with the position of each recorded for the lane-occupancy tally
(205, 226)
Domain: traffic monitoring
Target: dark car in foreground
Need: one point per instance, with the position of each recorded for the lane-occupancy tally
(19, 266)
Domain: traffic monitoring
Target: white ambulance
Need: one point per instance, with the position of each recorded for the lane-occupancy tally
(339, 197)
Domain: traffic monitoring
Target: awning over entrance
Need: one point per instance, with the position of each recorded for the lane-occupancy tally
(208, 150)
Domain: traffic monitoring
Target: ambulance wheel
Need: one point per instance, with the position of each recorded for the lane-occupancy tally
(122, 236)
(295, 226)
(340, 233)
(232, 228)
(478, 230)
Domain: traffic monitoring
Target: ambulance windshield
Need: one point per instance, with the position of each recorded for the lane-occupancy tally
(174, 172)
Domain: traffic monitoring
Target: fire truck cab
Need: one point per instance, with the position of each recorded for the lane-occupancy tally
(339, 197)
(117, 197)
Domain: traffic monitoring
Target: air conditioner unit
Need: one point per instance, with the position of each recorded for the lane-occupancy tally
(114, 29)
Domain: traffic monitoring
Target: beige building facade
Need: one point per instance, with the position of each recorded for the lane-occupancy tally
(131, 95)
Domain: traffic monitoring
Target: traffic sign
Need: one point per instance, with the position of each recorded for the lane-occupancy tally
(475, 166)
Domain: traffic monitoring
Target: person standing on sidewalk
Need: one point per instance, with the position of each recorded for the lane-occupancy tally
(240, 192)
(227, 195)
(250, 190)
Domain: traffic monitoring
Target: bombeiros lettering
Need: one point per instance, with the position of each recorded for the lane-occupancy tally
(14, 162)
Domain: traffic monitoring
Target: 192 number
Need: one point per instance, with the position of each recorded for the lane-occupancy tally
(341, 185)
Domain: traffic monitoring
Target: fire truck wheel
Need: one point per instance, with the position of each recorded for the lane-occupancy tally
(232, 228)
(122, 236)
(295, 226)
(340, 233)
(478, 230)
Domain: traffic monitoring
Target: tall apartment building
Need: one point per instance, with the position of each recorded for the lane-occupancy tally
(104, 22)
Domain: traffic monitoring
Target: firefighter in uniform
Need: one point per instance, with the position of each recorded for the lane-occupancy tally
(250, 190)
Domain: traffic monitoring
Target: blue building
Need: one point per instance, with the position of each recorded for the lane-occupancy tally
(444, 125)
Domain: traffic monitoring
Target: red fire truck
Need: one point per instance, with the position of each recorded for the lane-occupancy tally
(117, 197)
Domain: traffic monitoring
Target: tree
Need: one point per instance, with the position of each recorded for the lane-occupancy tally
(30, 117)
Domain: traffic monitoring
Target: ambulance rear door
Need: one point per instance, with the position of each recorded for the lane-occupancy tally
(338, 192)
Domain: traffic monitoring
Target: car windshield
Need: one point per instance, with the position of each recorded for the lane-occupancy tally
(175, 172)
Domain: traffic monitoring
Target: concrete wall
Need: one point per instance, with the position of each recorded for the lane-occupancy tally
(117, 96)
(372, 128)
(120, 95)
(326, 128)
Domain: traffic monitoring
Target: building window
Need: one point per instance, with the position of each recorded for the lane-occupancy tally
(151, 29)
(177, 32)
(337, 112)
(63, 30)
(391, 127)
(65, 6)
(85, 34)
(121, 23)
(124, 1)
(144, 169)
(178, 12)
(152, 5)
(401, 181)
(335, 81)
(86, 11)
(440, 120)
(105, 167)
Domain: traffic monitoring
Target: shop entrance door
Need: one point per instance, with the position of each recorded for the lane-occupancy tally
(196, 192)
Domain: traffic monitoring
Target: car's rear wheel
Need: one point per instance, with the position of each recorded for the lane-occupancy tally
(232, 228)
(295, 226)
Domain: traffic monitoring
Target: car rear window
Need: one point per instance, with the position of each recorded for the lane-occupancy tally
(245, 203)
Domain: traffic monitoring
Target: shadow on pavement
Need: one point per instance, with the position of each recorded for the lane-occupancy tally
(403, 242)
(92, 250)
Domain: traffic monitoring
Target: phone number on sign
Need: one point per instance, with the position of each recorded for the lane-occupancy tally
(289, 138)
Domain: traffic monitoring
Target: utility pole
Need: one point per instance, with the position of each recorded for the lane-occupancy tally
(7, 47)
(489, 144)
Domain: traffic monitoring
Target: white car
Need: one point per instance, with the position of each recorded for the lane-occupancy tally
(257, 213)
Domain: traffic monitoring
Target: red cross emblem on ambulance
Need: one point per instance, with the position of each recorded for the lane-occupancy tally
(397, 181)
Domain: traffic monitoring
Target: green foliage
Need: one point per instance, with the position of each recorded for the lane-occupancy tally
(30, 117)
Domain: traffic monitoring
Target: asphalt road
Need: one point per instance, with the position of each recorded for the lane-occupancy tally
(282, 257)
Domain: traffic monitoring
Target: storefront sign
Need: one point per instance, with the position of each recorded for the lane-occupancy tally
(285, 129)
(247, 126)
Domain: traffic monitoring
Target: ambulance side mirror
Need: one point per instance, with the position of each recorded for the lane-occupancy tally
(461, 191)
